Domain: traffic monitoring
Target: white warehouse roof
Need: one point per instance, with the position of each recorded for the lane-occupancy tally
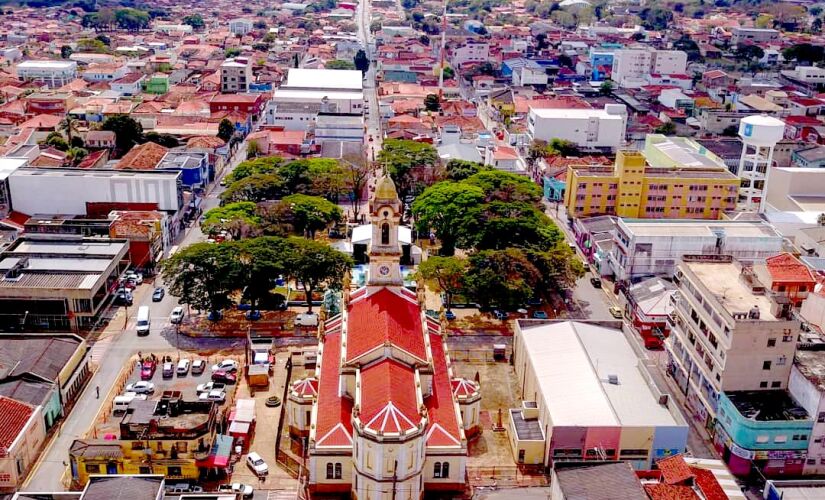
(332, 79)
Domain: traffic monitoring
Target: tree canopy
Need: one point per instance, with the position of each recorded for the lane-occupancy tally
(240, 219)
(225, 130)
(309, 214)
(411, 164)
(128, 131)
(447, 273)
(339, 64)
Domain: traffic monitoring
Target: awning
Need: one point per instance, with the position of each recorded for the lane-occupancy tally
(219, 455)
(244, 410)
(239, 428)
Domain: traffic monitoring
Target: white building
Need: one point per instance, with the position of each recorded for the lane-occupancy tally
(807, 387)
(753, 35)
(339, 91)
(174, 29)
(335, 127)
(529, 75)
(587, 128)
(240, 26)
(51, 73)
(24, 432)
(806, 74)
(796, 189)
(104, 72)
(632, 66)
(236, 75)
(291, 115)
(643, 248)
(472, 51)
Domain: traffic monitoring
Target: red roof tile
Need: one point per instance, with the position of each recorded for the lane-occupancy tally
(384, 317)
(785, 267)
(442, 428)
(388, 398)
(707, 483)
(13, 418)
(674, 469)
(333, 426)
(670, 492)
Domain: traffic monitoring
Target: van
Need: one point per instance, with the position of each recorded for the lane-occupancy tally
(121, 403)
(143, 320)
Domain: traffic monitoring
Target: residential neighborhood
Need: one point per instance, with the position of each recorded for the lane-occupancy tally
(409, 249)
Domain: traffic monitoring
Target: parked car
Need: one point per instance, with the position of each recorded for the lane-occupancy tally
(210, 386)
(449, 315)
(227, 365)
(616, 312)
(168, 369)
(499, 315)
(158, 294)
(137, 278)
(141, 387)
(306, 319)
(216, 396)
(183, 367)
(244, 490)
(539, 314)
(596, 282)
(253, 315)
(198, 366)
(225, 377)
(147, 369)
(123, 297)
(214, 316)
(257, 464)
(177, 315)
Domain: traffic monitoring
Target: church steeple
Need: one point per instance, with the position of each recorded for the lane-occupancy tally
(384, 248)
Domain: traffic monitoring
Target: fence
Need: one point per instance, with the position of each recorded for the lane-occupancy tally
(479, 356)
(506, 476)
(290, 464)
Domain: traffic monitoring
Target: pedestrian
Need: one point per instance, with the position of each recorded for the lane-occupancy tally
(97, 390)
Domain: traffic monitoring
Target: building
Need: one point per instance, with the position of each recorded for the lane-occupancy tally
(631, 67)
(336, 127)
(148, 233)
(240, 26)
(193, 166)
(181, 434)
(389, 418)
(158, 84)
(50, 103)
(339, 91)
(760, 135)
(649, 305)
(20, 442)
(587, 128)
(807, 385)
(673, 177)
(236, 75)
(809, 157)
(789, 279)
(778, 490)
(131, 84)
(51, 73)
(809, 75)
(472, 51)
(291, 115)
(604, 481)
(58, 283)
(727, 335)
(643, 248)
(44, 370)
(750, 36)
(104, 487)
(250, 104)
(795, 189)
(586, 398)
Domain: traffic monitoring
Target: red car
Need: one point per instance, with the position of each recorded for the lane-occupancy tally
(223, 376)
(147, 370)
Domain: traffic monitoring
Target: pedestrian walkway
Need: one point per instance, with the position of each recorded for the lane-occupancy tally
(282, 494)
(99, 348)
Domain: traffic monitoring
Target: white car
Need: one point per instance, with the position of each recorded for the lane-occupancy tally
(177, 315)
(141, 387)
(306, 319)
(217, 396)
(238, 488)
(136, 277)
(227, 365)
(183, 367)
(257, 464)
(210, 386)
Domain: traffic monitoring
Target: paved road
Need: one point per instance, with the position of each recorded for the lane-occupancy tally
(113, 348)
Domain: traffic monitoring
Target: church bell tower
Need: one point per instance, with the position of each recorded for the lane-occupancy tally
(385, 249)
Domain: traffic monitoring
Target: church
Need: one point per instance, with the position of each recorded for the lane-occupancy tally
(384, 416)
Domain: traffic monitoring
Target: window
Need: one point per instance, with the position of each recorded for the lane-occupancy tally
(334, 470)
(821, 417)
(763, 384)
(771, 342)
(437, 470)
(780, 439)
(385, 234)
(329, 470)
(762, 439)
(93, 468)
(775, 384)
(766, 365)
(338, 470)
(173, 472)
(445, 470)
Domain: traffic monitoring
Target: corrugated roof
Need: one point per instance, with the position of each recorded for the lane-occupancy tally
(600, 482)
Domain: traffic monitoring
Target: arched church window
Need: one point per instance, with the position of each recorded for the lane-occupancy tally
(385, 234)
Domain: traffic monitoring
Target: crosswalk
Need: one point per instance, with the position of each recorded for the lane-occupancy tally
(282, 495)
(99, 348)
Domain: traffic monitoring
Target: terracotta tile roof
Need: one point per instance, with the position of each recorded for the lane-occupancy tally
(442, 428)
(708, 484)
(306, 387)
(670, 492)
(384, 317)
(388, 398)
(13, 418)
(674, 469)
(42, 122)
(142, 157)
(785, 267)
(333, 426)
(463, 387)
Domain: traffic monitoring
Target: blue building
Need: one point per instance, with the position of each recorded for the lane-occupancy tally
(553, 189)
(194, 167)
(765, 429)
(601, 64)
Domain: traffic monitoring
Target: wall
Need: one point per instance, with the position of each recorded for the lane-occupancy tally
(760, 435)
(23, 452)
(809, 396)
(813, 309)
(793, 181)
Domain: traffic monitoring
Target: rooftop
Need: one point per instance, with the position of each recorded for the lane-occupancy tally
(698, 228)
(574, 362)
(767, 406)
(13, 419)
(126, 486)
(600, 482)
(527, 429)
(332, 79)
(573, 113)
(811, 364)
(724, 281)
(42, 355)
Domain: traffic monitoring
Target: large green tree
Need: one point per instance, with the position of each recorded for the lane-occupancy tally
(203, 275)
(458, 170)
(194, 20)
(447, 273)
(262, 260)
(411, 165)
(128, 131)
(339, 64)
(361, 62)
(225, 130)
(310, 214)
(501, 278)
(448, 209)
(240, 219)
(244, 169)
(316, 264)
(255, 188)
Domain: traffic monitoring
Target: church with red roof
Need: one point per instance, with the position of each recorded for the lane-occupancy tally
(384, 416)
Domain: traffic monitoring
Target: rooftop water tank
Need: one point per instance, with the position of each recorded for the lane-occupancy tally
(761, 130)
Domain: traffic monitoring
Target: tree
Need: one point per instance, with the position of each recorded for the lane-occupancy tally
(730, 131)
(356, 172)
(687, 45)
(447, 273)
(458, 170)
(247, 168)
(562, 147)
(565, 61)
(65, 52)
(232, 52)
(656, 18)
(254, 188)
(75, 155)
(339, 64)
(225, 130)
(409, 163)
(132, 19)
(558, 266)
(309, 214)
(128, 132)
(92, 45)
(253, 150)
(606, 88)
(165, 140)
(239, 219)
(260, 25)
(375, 26)
(69, 126)
(203, 275)
(361, 62)
(667, 128)
(449, 73)
(56, 140)
(262, 260)
(805, 53)
(448, 209)
(316, 264)
(749, 53)
(501, 278)
(194, 20)
(432, 103)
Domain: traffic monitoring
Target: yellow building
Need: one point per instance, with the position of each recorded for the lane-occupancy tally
(674, 178)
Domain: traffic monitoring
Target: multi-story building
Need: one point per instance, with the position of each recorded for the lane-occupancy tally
(50, 103)
(632, 66)
(384, 416)
(673, 177)
(240, 26)
(182, 436)
(236, 75)
(644, 248)
(337, 91)
(51, 73)
(577, 380)
(745, 35)
(473, 51)
(807, 386)
(789, 279)
(727, 335)
(587, 128)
